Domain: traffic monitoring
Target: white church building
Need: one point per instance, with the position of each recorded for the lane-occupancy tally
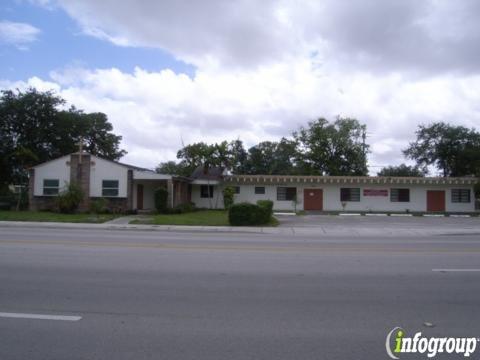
(129, 188)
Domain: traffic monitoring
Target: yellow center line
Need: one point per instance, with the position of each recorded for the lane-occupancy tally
(246, 247)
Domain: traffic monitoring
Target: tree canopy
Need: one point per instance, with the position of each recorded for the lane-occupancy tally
(453, 150)
(401, 170)
(34, 129)
(336, 148)
(321, 148)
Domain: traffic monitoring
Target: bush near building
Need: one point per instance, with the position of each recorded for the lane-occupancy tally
(161, 198)
(245, 214)
(228, 196)
(68, 201)
(267, 206)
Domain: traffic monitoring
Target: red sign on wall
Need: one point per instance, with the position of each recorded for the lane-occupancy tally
(375, 192)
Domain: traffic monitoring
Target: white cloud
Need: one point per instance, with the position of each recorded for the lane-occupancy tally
(18, 34)
(155, 111)
(263, 68)
(377, 35)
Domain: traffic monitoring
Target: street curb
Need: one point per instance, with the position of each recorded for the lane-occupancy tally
(105, 226)
(319, 232)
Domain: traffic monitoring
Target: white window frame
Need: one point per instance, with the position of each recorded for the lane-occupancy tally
(50, 187)
(108, 188)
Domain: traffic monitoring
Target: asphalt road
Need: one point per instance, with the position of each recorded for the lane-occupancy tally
(181, 295)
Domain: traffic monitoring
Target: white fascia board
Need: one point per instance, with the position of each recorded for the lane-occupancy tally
(205, 182)
(146, 175)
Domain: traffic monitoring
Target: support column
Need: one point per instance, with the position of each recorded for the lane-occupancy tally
(32, 205)
(171, 195)
(130, 190)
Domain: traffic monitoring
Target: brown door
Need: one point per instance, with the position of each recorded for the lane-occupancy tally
(140, 197)
(435, 200)
(313, 199)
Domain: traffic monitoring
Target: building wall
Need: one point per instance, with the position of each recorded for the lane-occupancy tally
(55, 169)
(331, 197)
(106, 170)
(216, 202)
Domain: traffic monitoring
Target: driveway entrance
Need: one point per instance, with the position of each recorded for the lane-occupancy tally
(313, 199)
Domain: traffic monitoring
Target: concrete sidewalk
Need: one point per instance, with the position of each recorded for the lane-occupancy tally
(324, 230)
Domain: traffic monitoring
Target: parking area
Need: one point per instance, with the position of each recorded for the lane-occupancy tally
(390, 222)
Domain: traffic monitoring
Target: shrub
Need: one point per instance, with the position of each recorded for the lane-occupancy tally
(21, 200)
(267, 206)
(99, 206)
(228, 197)
(6, 202)
(69, 200)
(161, 198)
(248, 214)
(182, 209)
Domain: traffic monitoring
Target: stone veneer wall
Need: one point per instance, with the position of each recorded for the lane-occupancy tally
(36, 203)
(80, 175)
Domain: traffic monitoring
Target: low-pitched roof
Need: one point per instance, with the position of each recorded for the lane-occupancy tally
(213, 173)
(99, 157)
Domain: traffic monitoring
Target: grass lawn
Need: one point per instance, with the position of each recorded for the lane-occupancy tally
(200, 218)
(44, 216)
(204, 218)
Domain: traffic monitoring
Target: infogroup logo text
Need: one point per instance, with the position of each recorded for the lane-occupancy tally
(397, 343)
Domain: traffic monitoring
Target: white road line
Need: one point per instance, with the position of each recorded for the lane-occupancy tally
(40, 316)
(456, 270)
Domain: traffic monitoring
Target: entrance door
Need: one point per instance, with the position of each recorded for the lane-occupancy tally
(139, 197)
(435, 200)
(313, 199)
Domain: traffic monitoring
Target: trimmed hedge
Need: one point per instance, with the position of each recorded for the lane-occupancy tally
(245, 214)
(267, 205)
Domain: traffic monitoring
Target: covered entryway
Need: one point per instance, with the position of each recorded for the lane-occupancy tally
(313, 199)
(140, 196)
(435, 200)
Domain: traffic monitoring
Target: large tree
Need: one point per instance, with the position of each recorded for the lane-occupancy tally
(33, 129)
(402, 170)
(272, 158)
(172, 168)
(334, 149)
(453, 150)
(238, 157)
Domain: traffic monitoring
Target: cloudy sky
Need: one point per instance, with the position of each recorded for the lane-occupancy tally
(173, 71)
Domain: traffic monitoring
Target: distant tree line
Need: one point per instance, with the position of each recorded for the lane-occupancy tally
(35, 127)
(337, 148)
(320, 148)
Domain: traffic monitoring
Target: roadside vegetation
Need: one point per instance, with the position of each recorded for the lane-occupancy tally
(201, 218)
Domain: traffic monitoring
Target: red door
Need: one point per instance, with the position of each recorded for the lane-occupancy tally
(139, 197)
(435, 200)
(313, 199)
